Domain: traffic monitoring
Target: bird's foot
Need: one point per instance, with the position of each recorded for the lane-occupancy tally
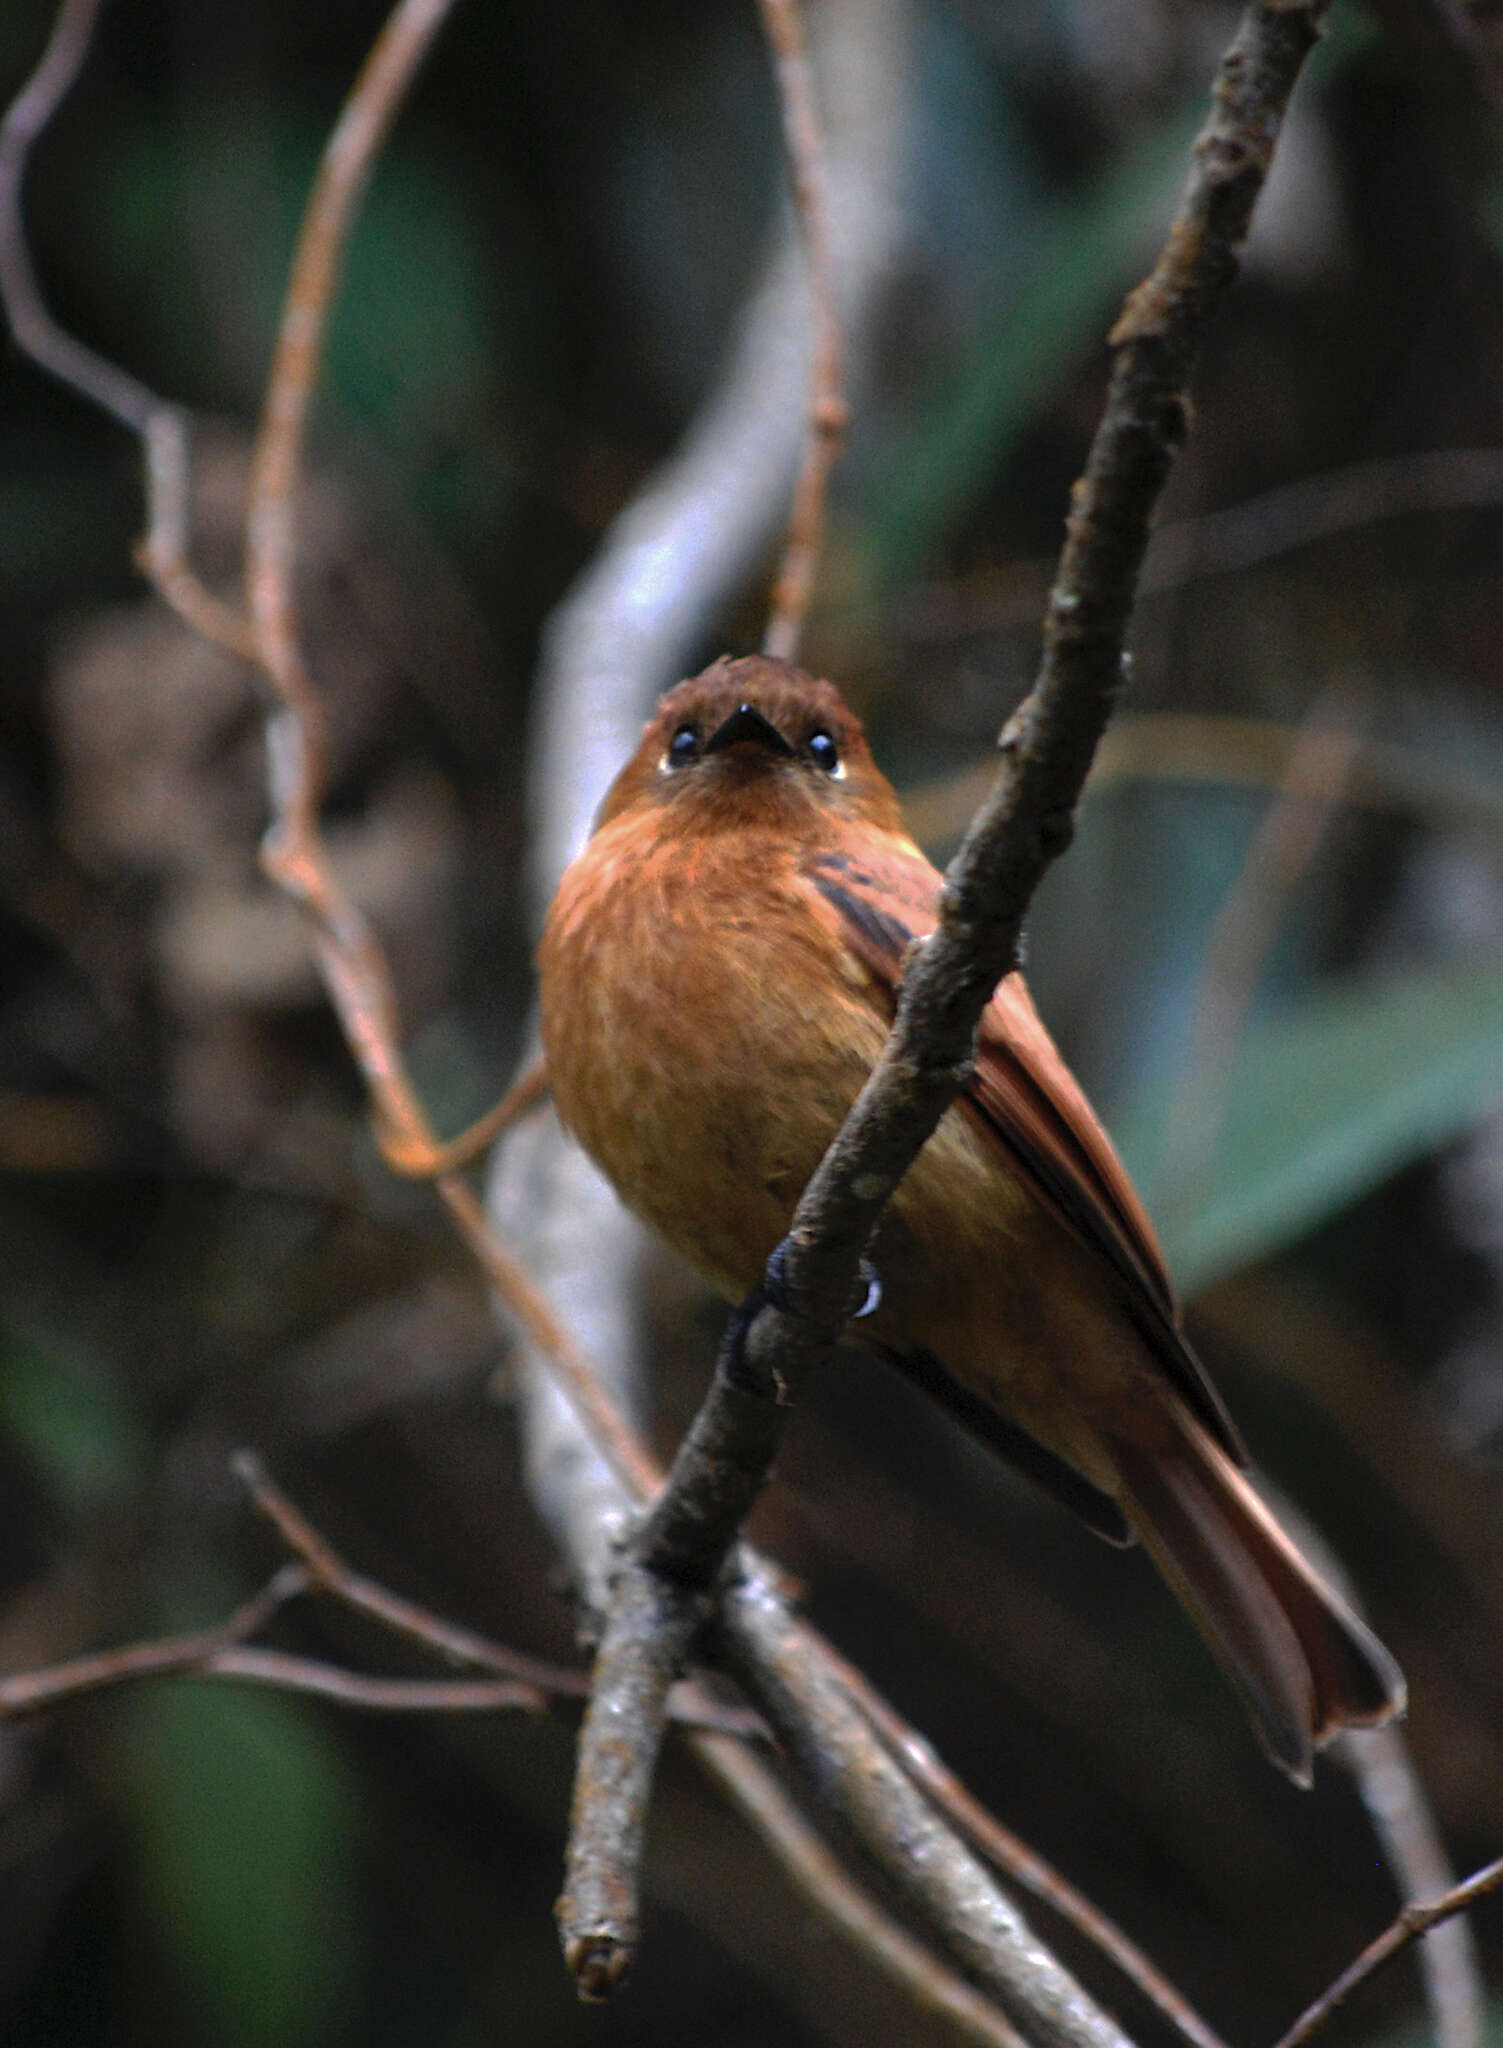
(773, 1291)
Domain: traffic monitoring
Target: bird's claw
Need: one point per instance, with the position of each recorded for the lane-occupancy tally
(870, 1281)
(773, 1292)
(775, 1289)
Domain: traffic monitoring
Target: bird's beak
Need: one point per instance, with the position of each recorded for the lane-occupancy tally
(746, 722)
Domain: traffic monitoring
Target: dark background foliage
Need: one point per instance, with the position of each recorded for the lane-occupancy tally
(199, 1248)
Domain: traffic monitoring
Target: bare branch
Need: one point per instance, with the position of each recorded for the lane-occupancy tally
(813, 1867)
(224, 1652)
(646, 1641)
(26, 1691)
(287, 1673)
(1414, 1921)
(1007, 1853)
(36, 332)
(162, 552)
(1401, 1816)
(1258, 529)
(828, 414)
(525, 1093)
(327, 1571)
(348, 159)
(1246, 753)
(350, 960)
(929, 1870)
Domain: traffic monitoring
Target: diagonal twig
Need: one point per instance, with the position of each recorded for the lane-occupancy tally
(1007, 1853)
(1025, 823)
(1415, 1919)
(1027, 820)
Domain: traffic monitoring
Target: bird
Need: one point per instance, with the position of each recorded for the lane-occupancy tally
(718, 972)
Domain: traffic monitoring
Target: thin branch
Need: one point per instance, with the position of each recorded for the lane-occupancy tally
(1394, 1796)
(1411, 1923)
(25, 1692)
(828, 412)
(36, 332)
(327, 1571)
(1007, 1853)
(350, 960)
(525, 1093)
(276, 471)
(608, 1428)
(1314, 508)
(254, 1666)
(808, 1860)
(928, 1869)
(224, 1651)
(1402, 1819)
(163, 428)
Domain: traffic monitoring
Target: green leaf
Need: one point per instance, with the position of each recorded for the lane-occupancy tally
(1330, 1096)
(244, 1826)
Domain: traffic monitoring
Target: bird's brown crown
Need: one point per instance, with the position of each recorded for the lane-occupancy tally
(753, 737)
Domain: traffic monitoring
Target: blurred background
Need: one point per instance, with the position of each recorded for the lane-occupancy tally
(1275, 957)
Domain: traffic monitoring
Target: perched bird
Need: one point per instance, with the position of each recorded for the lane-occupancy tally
(719, 971)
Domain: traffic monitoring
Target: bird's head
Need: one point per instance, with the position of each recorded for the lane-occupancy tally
(753, 741)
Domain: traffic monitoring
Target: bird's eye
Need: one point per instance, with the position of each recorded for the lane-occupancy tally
(823, 752)
(683, 746)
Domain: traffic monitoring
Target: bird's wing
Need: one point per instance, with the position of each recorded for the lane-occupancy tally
(882, 898)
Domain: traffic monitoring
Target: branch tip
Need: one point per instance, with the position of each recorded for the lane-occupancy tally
(599, 1964)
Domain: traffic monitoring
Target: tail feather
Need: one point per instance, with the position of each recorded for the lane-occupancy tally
(1302, 1661)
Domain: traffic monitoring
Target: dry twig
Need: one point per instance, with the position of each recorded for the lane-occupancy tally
(224, 1651)
(1411, 1923)
(817, 1872)
(163, 428)
(1007, 1853)
(783, 23)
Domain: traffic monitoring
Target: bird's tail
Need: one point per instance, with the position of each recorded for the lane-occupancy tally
(1302, 1661)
